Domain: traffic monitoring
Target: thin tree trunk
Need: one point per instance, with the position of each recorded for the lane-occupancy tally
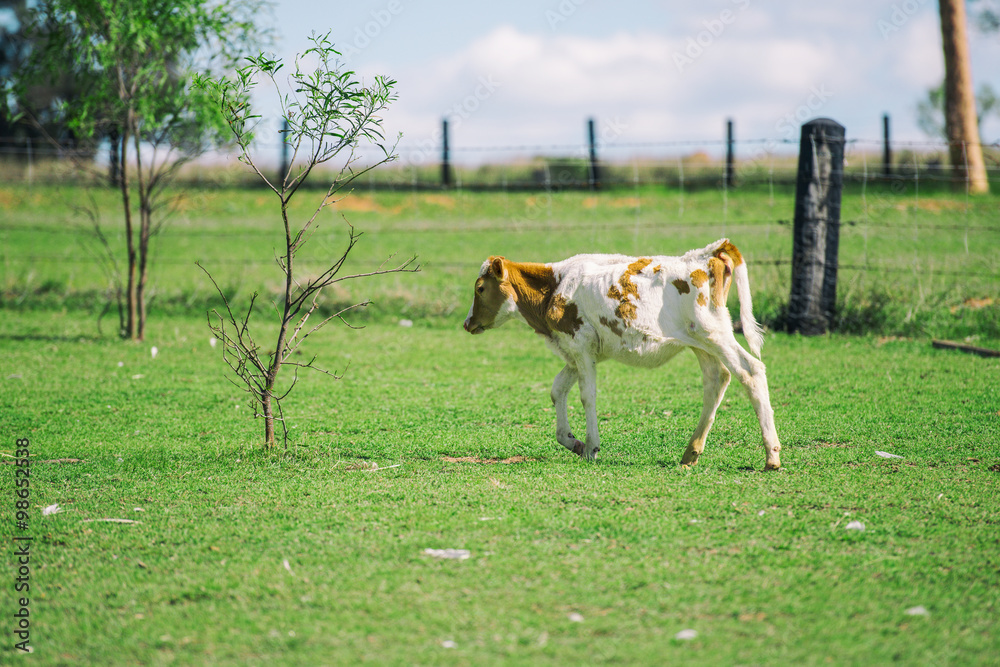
(279, 348)
(265, 402)
(130, 290)
(961, 124)
(145, 213)
(140, 291)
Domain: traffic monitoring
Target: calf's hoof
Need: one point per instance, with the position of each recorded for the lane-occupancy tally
(689, 459)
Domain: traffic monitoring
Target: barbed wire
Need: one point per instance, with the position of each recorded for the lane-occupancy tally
(8, 145)
(429, 265)
(506, 228)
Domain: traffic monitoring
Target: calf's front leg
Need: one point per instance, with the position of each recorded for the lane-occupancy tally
(587, 371)
(564, 381)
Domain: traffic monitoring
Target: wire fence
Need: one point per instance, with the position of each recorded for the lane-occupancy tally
(906, 222)
(422, 165)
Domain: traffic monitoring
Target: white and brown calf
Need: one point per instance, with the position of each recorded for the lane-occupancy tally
(640, 311)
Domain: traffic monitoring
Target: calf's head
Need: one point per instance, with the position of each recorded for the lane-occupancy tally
(494, 301)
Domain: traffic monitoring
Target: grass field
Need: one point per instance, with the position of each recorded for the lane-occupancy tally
(438, 440)
(913, 262)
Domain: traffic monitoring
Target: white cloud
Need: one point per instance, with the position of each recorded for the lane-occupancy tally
(520, 83)
(916, 58)
(548, 84)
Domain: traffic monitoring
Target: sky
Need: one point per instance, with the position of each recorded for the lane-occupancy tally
(518, 78)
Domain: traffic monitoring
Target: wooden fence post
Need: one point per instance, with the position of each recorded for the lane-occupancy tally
(730, 155)
(593, 180)
(114, 157)
(445, 157)
(284, 152)
(886, 148)
(813, 300)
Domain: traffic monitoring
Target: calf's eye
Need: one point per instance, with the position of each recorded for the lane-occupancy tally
(480, 289)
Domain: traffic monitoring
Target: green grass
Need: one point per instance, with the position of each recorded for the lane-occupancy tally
(759, 564)
(914, 263)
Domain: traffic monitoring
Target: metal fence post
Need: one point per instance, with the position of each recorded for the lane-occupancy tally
(812, 305)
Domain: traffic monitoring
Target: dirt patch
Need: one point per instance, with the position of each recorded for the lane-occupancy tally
(476, 459)
(825, 444)
(355, 203)
(7, 199)
(626, 202)
(444, 201)
(973, 304)
(933, 205)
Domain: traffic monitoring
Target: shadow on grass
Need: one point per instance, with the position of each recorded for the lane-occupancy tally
(49, 338)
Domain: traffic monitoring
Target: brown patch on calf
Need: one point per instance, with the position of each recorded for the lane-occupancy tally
(563, 316)
(533, 287)
(729, 249)
(698, 278)
(613, 326)
(626, 310)
(721, 265)
(721, 269)
(657, 268)
(716, 280)
(702, 301)
(682, 286)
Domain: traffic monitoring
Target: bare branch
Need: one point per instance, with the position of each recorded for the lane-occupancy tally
(334, 375)
(338, 315)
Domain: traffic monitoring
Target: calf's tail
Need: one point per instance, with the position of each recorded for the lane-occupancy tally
(751, 329)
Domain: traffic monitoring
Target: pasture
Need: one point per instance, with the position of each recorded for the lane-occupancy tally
(437, 440)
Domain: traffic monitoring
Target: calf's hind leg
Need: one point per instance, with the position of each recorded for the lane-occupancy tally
(564, 381)
(715, 378)
(752, 375)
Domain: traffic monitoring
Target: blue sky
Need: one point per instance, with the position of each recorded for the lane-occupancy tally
(522, 73)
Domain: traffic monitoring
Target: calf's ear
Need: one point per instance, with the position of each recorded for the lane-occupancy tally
(496, 267)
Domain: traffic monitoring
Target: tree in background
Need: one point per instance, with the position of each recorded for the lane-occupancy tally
(132, 63)
(327, 115)
(961, 126)
(986, 14)
(930, 110)
(16, 138)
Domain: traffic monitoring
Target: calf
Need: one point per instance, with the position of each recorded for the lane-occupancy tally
(640, 311)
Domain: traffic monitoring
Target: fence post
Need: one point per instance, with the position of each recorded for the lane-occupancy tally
(886, 148)
(284, 151)
(445, 158)
(114, 156)
(813, 300)
(593, 179)
(31, 158)
(730, 155)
